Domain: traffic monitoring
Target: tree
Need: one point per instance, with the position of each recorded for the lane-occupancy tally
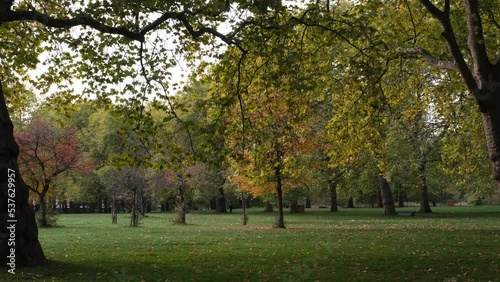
(47, 152)
(130, 185)
(473, 60)
(185, 18)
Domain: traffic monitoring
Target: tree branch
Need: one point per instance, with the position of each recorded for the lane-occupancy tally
(476, 38)
(86, 20)
(79, 20)
(453, 46)
(420, 52)
(433, 9)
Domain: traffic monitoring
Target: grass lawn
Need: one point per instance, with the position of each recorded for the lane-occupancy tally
(453, 244)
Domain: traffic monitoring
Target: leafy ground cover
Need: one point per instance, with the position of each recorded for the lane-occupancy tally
(453, 244)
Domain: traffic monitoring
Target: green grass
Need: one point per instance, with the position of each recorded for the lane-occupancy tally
(453, 244)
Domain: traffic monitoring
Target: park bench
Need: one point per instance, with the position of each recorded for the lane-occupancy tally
(407, 213)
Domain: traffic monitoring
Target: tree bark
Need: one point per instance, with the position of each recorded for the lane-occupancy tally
(213, 203)
(244, 205)
(221, 201)
(491, 125)
(27, 247)
(134, 213)
(424, 193)
(380, 203)
(280, 223)
(99, 204)
(43, 211)
(333, 196)
(350, 203)
(387, 199)
(181, 203)
(114, 215)
(294, 208)
(268, 207)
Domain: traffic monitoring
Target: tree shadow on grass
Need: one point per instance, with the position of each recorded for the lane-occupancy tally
(53, 270)
(64, 271)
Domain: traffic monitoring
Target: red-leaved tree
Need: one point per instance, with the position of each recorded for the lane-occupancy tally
(47, 151)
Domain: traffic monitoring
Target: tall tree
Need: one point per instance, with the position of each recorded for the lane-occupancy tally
(471, 54)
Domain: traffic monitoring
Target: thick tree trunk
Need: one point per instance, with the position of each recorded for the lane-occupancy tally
(333, 196)
(424, 193)
(221, 201)
(280, 223)
(387, 199)
(491, 125)
(308, 203)
(27, 247)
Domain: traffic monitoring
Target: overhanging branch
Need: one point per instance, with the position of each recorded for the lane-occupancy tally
(420, 52)
(79, 20)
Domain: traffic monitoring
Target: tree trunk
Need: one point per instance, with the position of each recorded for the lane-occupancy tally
(350, 203)
(268, 207)
(482, 78)
(43, 211)
(424, 193)
(280, 223)
(308, 203)
(380, 203)
(99, 204)
(333, 196)
(27, 247)
(221, 201)
(114, 215)
(244, 204)
(294, 208)
(400, 197)
(388, 201)
(181, 204)
(134, 213)
(213, 203)
(491, 125)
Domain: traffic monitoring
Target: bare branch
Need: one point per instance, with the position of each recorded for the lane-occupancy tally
(420, 52)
